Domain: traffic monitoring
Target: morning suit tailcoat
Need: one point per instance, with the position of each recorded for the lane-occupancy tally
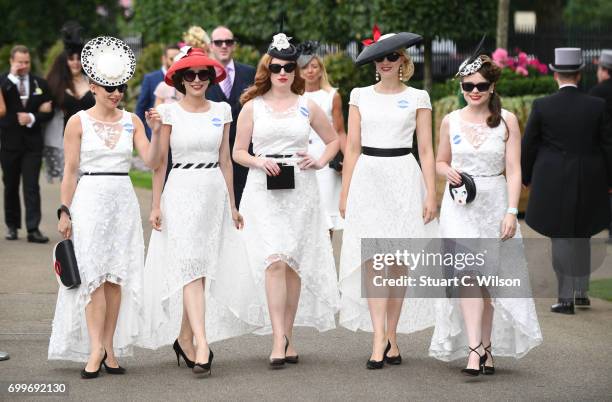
(21, 150)
(604, 90)
(566, 160)
(146, 99)
(244, 78)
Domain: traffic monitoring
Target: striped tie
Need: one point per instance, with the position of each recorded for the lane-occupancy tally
(226, 84)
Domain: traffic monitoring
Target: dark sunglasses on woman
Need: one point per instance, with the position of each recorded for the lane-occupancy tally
(190, 75)
(220, 42)
(276, 68)
(111, 88)
(391, 57)
(481, 86)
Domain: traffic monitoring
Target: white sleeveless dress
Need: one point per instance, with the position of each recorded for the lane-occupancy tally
(108, 241)
(330, 181)
(289, 225)
(480, 151)
(198, 238)
(385, 200)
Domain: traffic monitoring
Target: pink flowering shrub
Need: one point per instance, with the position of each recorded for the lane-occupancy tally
(521, 64)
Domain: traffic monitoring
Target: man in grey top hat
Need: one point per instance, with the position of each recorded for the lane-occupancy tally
(604, 90)
(567, 163)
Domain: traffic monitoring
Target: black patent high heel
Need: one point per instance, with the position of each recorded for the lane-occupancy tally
(112, 370)
(179, 353)
(93, 374)
(483, 359)
(204, 369)
(290, 359)
(279, 362)
(488, 370)
(394, 360)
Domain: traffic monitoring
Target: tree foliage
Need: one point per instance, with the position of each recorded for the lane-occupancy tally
(588, 12)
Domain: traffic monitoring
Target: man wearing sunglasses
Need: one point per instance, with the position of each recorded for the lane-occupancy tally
(27, 99)
(239, 77)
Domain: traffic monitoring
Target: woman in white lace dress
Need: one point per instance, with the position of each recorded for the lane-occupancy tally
(384, 192)
(196, 265)
(327, 98)
(483, 140)
(286, 230)
(100, 320)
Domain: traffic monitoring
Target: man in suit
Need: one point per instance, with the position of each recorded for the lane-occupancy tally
(146, 99)
(239, 77)
(28, 105)
(604, 90)
(567, 162)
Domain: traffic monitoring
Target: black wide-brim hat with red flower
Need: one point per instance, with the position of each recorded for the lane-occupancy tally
(192, 57)
(382, 45)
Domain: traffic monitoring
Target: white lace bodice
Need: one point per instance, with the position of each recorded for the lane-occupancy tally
(477, 149)
(388, 120)
(196, 137)
(284, 132)
(106, 147)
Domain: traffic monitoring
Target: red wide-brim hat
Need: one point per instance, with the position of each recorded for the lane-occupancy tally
(193, 57)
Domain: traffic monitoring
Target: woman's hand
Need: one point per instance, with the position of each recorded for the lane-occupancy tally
(508, 226)
(453, 177)
(153, 119)
(155, 218)
(269, 166)
(429, 209)
(308, 162)
(237, 218)
(64, 226)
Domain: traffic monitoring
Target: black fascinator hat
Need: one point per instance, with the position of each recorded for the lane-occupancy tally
(280, 48)
(307, 50)
(381, 45)
(465, 192)
(71, 36)
(474, 62)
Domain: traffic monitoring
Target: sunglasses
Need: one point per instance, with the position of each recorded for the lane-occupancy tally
(190, 75)
(220, 42)
(276, 68)
(111, 88)
(391, 57)
(481, 86)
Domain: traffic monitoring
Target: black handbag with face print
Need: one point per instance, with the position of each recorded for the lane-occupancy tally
(65, 264)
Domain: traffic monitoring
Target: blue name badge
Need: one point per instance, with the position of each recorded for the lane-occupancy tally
(216, 122)
(304, 111)
(129, 127)
(403, 103)
(456, 139)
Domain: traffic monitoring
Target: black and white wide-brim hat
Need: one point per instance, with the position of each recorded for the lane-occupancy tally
(381, 45)
(108, 61)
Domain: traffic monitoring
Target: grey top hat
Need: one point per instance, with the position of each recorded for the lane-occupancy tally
(567, 60)
(605, 60)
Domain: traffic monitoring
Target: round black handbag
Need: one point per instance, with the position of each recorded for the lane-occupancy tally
(465, 192)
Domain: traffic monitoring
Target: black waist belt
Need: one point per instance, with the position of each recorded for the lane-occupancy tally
(104, 174)
(209, 165)
(385, 152)
(279, 156)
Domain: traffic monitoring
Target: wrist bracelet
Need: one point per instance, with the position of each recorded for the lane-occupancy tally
(513, 211)
(65, 209)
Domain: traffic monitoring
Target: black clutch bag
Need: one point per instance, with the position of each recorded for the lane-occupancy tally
(284, 181)
(65, 264)
(336, 163)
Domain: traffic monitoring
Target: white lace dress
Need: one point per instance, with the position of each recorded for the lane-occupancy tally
(385, 200)
(480, 151)
(330, 181)
(108, 241)
(289, 225)
(198, 238)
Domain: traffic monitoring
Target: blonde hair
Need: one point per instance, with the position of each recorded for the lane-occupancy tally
(197, 37)
(407, 65)
(324, 80)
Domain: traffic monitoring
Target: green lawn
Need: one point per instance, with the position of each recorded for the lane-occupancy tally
(602, 289)
(141, 179)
